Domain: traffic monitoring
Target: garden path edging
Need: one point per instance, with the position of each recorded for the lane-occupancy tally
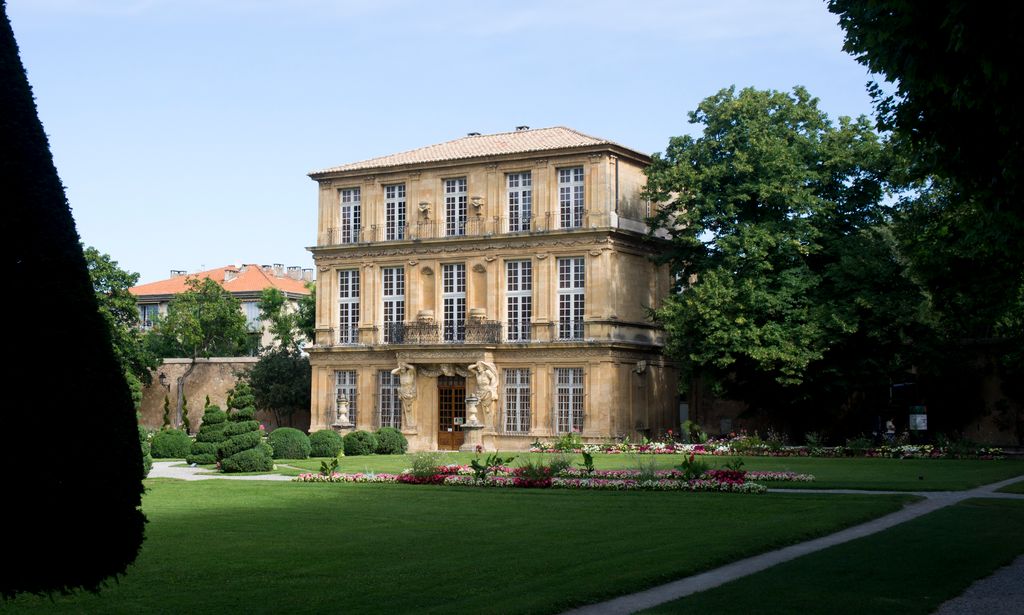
(168, 469)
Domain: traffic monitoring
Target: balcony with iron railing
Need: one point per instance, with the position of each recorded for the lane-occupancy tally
(476, 226)
(471, 332)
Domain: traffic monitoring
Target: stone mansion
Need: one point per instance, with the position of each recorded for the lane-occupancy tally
(512, 268)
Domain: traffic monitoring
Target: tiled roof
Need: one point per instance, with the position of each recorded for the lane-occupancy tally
(476, 146)
(250, 278)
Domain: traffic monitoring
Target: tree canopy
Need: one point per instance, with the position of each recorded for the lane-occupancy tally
(779, 237)
(117, 305)
(273, 306)
(204, 321)
(951, 104)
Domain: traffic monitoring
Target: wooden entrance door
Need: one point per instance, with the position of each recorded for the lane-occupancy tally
(451, 396)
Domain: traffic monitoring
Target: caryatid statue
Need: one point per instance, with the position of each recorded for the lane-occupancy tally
(486, 385)
(406, 391)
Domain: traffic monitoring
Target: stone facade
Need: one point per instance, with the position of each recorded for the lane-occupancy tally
(514, 267)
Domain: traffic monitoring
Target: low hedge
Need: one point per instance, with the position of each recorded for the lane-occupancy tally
(289, 443)
(170, 444)
(390, 441)
(325, 443)
(360, 443)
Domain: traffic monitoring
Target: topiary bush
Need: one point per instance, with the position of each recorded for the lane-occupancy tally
(243, 449)
(359, 443)
(325, 443)
(210, 436)
(289, 443)
(257, 459)
(390, 441)
(171, 444)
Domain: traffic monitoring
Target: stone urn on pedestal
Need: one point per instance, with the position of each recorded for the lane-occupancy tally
(472, 427)
(341, 420)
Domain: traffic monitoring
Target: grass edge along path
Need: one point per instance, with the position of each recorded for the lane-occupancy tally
(908, 569)
(686, 586)
(257, 546)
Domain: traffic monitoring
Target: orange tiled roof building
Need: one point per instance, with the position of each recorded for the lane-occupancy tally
(245, 282)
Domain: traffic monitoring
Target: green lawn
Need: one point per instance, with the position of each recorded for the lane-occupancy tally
(1017, 487)
(254, 546)
(844, 473)
(911, 568)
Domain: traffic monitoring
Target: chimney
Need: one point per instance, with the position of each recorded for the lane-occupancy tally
(177, 273)
(307, 275)
(522, 128)
(278, 269)
(472, 134)
(230, 274)
(295, 273)
(267, 269)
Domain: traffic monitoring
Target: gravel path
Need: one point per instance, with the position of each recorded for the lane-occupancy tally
(1000, 594)
(933, 500)
(166, 469)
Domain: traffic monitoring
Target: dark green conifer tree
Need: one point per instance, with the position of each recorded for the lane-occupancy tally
(78, 527)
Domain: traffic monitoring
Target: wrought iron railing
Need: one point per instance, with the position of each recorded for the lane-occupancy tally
(475, 226)
(483, 332)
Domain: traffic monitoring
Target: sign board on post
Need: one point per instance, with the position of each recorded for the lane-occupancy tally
(918, 418)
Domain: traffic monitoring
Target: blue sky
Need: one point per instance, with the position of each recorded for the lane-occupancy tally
(184, 129)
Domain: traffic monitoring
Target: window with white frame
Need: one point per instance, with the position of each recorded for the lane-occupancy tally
(453, 296)
(568, 399)
(570, 197)
(520, 200)
(394, 303)
(571, 297)
(345, 385)
(147, 315)
(390, 402)
(350, 216)
(517, 400)
(518, 299)
(348, 306)
(251, 309)
(455, 205)
(394, 212)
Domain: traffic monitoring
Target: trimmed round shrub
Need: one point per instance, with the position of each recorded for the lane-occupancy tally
(390, 441)
(170, 444)
(289, 443)
(359, 443)
(250, 460)
(325, 443)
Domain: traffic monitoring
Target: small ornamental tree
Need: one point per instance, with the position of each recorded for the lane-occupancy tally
(186, 424)
(167, 412)
(209, 438)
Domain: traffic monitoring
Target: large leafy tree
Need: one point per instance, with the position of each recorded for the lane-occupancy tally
(203, 321)
(307, 314)
(111, 285)
(281, 383)
(791, 288)
(273, 306)
(74, 529)
(951, 102)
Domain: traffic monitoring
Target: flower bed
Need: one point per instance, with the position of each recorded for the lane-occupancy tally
(731, 481)
(736, 446)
